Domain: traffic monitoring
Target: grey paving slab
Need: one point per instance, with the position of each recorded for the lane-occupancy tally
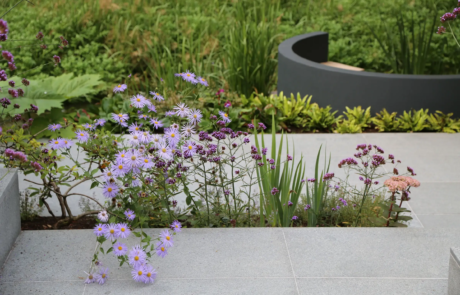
(215, 253)
(198, 286)
(440, 221)
(359, 286)
(371, 252)
(45, 288)
(454, 271)
(10, 219)
(436, 198)
(49, 255)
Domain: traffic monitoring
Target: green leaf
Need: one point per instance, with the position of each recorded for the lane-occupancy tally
(94, 184)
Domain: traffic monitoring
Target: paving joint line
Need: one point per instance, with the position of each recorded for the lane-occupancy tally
(290, 261)
(84, 288)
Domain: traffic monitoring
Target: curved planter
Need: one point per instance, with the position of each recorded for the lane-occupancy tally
(300, 71)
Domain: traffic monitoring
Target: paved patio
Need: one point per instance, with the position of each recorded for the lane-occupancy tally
(274, 260)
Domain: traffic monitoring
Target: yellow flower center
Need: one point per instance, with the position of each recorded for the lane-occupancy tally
(122, 229)
(194, 116)
(133, 158)
(81, 134)
(149, 274)
(163, 150)
(156, 122)
(120, 248)
(139, 272)
(135, 137)
(120, 167)
(138, 100)
(65, 141)
(163, 249)
(225, 115)
(56, 142)
(103, 275)
(146, 161)
(137, 128)
(188, 75)
(90, 277)
(89, 126)
(100, 229)
(173, 135)
(168, 238)
(190, 147)
(120, 115)
(109, 189)
(177, 225)
(136, 258)
(202, 80)
(119, 86)
(112, 231)
(109, 173)
(122, 155)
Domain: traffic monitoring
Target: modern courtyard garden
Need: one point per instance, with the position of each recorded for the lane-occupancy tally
(229, 147)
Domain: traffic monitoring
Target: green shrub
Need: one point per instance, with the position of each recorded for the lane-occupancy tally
(413, 121)
(386, 122)
(441, 122)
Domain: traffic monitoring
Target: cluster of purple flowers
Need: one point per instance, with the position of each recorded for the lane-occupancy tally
(15, 155)
(112, 231)
(191, 77)
(348, 161)
(328, 176)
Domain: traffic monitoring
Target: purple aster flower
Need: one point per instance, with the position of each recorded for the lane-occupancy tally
(101, 276)
(110, 190)
(111, 232)
(89, 279)
(189, 77)
(120, 118)
(134, 127)
(195, 116)
(122, 230)
(120, 88)
(137, 256)
(56, 143)
(130, 214)
(188, 130)
(166, 238)
(138, 273)
(120, 249)
(164, 152)
(157, 96)
(150, 274)
(100, 229)
(100, 122)
(120, 170)
(82, 136)
(161, 249)
(172, 136)
(139, 101)
(274, 191)
(224, 117)
(156, 123)
(54, 127)
(143, 117)
(152, 108)
(89, 126)
(189, 147)
(147, 163)
(103, 216)
(176, 226)
(170, 113)
(182, 110)
(202, 81)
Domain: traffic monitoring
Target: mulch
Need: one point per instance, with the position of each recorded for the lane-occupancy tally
(47, 223)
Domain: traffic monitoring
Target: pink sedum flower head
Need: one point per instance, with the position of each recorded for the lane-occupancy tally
(103, 216)
(120, 88)
(161, 249)
(110, 190)
(157, 96)
(120, 249)
(123, 230)
(54, 127)
(136, 256)
(130, 214)
(224, 117)
(166, 238)
(176, 226)
(139, 101)
(102, 276)
(82, 136)
(99, 229)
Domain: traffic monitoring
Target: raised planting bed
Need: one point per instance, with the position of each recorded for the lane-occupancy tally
(300, 70)
(10, 220)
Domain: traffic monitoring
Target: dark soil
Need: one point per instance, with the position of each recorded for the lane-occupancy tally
(42, 223)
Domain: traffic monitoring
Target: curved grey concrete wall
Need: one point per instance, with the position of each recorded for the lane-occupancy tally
(300, 71)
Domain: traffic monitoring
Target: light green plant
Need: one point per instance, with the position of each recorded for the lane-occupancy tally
(441, 122)
(413, 121)
(321, 118)
(347, 126)
(286, 177)
(386, 122)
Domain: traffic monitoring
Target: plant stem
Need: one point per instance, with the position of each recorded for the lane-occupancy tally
(206, 190)
(389, 211)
